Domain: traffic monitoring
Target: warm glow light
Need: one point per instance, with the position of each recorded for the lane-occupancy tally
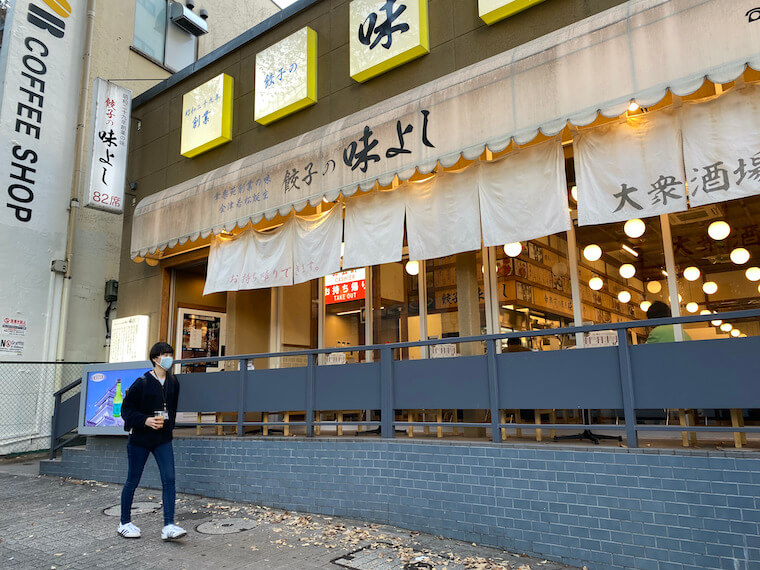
(692, 307)
(624, 296)
(654, 287)
(513, 249)
(711, 287)
(726, 327)
(592, 252)
(719, 230)
(716, 323)
(740, 256)
(412, 267)
(691, 273)
(630, 250)
(742, 335)
(735, 333)
(633, 107)
(753, 273)
(644, 306)
(634, 228)
(596, 283)
(627, 271)
(705, 312)
(574, 193)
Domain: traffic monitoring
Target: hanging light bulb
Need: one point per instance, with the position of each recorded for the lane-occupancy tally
(627, 271)
(726, 327)
(644, 306)
(740, 256)
(753, 273)
(596, 283)
(718, 230)
(716, 323)
(574, 193)
(624, 296)
(705, 312)
(413, 267)
(692, 307)
(633, 107)
(736, 333)
(654, 287)
(691, 273)
(513, 249)
(710, 288)
(592, 252)
(634, 228)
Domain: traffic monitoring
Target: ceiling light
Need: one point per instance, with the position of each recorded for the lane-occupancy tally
(634, 228)
(753, 273)
(716, 323)
(633, 107)
(644, 306)
(413, 267)
(630, 250)
(711, 287)
(735, 333)
(596, 283)
(654, 287)
(574, 193)
(726, 327)
(344, 313)
(740, 256)
(592, 252)
(624, 296)
(691, 273)
(692, 307)
(513, 249)
(627, 271)
(719, 230)
(743, 335)
(705, 312)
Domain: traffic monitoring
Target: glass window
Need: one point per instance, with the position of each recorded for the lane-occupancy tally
(150, 28)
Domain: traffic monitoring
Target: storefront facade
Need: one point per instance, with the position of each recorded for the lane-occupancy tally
(480, 181)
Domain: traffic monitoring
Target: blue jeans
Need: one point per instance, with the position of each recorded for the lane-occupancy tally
(137, 457)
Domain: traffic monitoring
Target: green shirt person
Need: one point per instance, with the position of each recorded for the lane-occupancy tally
(663, 333)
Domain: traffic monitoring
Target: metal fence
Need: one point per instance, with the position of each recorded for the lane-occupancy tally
(26, 405)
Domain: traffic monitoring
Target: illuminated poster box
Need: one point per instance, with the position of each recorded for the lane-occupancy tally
(286, 77)
(386, 34)
(207, 116)
(491, 11)
(345, 286)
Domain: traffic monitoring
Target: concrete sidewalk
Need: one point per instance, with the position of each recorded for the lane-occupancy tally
(54, 523)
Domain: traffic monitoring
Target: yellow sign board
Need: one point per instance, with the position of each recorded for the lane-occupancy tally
(286, 77)
(491, 11)
(384, 34)
(207, 116)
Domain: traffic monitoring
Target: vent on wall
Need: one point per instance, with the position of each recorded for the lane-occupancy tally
(694, 215)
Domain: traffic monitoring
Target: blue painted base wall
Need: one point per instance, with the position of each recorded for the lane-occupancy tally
(603, 508)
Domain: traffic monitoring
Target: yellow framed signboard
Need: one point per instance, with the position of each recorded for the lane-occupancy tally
(286, 77)
(384, 34)
(207, 116)
(491, 11)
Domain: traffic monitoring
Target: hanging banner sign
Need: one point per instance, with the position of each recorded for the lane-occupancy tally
(384, 34)
(630, 169)
(492, 11)
(111, 106)
(345, 286)
(721, 145)
(207, 116)
(286, 77)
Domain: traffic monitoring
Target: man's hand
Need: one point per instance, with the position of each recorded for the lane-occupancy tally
(154, 423)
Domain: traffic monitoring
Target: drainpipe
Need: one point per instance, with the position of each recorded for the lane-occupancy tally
(84, 96)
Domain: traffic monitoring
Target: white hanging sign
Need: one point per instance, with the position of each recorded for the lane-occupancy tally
(111, 106)
(630, 169)
(721, 144)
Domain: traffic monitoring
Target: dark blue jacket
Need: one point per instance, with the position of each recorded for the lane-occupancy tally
(141, 401)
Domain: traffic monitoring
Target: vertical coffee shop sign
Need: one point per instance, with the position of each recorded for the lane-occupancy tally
(108, 146)
(40, 65)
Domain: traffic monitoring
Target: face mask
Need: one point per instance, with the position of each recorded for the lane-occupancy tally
(166, 362)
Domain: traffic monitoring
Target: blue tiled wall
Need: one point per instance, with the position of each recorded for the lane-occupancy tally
(605, 508)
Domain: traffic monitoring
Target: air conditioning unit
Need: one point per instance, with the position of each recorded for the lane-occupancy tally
(188, 20)
(695, 215)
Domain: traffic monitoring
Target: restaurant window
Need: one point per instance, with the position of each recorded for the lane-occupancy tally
(345, 297)
(161, 41)
(298, 321)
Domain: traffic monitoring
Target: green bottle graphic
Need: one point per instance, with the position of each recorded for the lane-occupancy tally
(117, 400)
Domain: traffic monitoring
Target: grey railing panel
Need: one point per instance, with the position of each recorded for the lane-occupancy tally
(67, 416)
(560, 379)
(348, 387)
(697, 374)
(282, 389)
(441, 383)
(208, 392)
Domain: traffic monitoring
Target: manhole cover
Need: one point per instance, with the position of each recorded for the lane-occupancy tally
(137, 509)
(225, 526)
(385, 557)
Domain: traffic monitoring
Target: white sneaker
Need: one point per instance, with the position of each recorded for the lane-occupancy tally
(172, 532)
(129, 530)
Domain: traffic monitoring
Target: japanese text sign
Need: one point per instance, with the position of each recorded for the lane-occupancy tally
(491, 11)
(286, 77)
(345, 286)
(384, 34)
(207, 116)
(111, 106)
